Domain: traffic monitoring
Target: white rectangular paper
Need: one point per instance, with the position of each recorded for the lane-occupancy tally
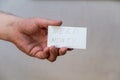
(70, 37)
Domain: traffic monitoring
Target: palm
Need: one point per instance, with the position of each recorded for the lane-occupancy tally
(31, 38)
(36, 39)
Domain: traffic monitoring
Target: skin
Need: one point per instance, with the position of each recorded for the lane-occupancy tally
(30, 36)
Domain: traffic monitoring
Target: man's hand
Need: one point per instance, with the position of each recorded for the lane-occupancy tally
(30, 36)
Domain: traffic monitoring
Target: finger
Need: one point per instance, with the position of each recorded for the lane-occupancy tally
(34, 50)
(51, 22)
(46, 52)
(62, 51)
(53, 54)
(39, 55)
(46, 22)
(43, 54)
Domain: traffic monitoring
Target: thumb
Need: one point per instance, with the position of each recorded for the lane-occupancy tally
(55, 22)
(47, 22)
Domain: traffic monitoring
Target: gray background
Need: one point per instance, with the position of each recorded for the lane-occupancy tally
(101, 60)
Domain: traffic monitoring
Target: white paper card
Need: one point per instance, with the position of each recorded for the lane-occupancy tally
(70, 37)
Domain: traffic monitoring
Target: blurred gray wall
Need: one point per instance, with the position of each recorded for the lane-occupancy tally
(101, 60)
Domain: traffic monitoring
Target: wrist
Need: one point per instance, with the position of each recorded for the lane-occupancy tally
(6, 26)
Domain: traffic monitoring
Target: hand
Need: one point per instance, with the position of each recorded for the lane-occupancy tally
(30, 36)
